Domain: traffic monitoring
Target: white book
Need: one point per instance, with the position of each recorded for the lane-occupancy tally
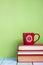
(38, 63)
(30, 47)
(30, 52)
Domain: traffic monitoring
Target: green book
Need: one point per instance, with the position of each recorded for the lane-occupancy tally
(22, 63)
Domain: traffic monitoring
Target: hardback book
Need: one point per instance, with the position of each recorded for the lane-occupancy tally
(30, 47)
(30, 58)
(30, 53)
(38, 63)
(24, 63)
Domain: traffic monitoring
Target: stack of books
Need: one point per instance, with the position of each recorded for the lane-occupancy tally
(30, 53)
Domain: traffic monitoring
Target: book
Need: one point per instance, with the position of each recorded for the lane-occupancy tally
(30, 58)
(24, 63)
(30, 47)
(38, 63)
(29, 53)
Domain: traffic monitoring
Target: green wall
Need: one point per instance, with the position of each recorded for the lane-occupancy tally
(16, 17)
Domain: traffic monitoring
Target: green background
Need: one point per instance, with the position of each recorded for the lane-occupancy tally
(16, 17)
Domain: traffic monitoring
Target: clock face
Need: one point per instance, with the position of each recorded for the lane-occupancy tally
(29, 38)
